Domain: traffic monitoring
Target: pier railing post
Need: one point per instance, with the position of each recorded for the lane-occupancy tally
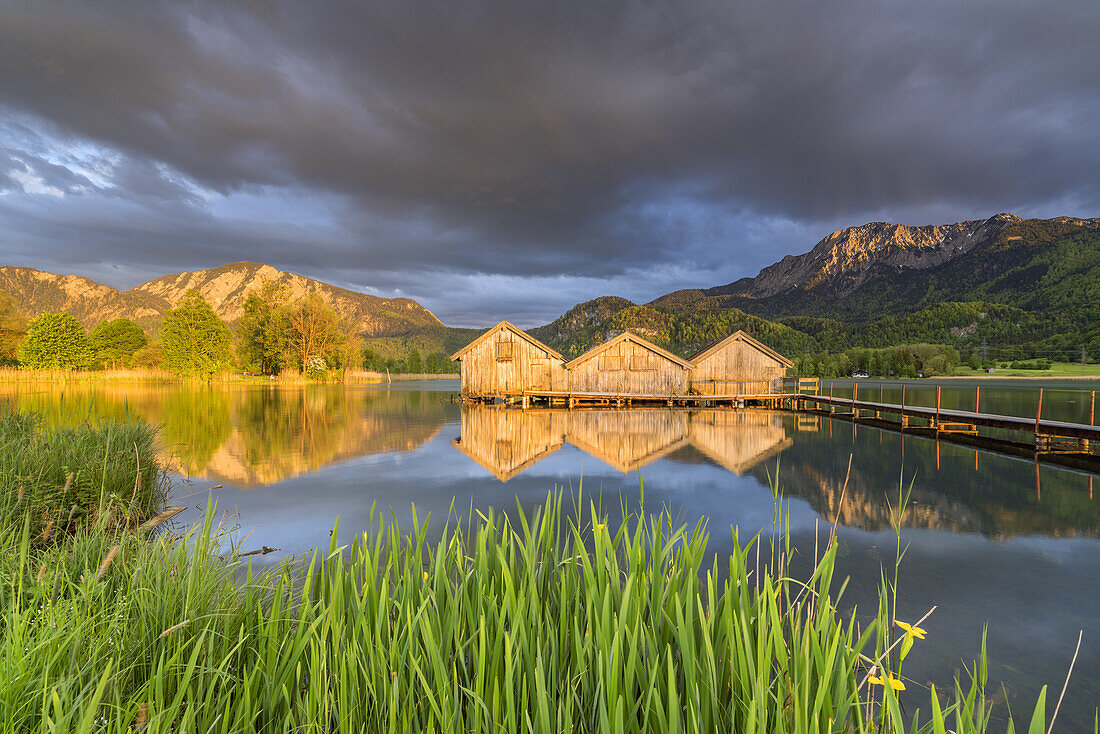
(904, 417)
(1038, 417)
(1092, 421)
(937, 408)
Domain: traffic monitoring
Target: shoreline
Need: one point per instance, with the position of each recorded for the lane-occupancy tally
(164, 377)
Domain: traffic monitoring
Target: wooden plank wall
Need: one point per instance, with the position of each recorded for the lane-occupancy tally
(738, 368)
(629, 368)
(507, 364)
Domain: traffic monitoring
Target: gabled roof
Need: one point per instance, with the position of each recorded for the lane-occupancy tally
(739, 336)
(507, 326)
(627, 336)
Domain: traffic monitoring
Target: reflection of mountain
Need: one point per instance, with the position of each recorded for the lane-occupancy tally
(252, 435)
(508, 441)
(997, 496)
(280, 434)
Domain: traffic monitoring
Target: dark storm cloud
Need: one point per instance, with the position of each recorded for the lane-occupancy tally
(545, 139)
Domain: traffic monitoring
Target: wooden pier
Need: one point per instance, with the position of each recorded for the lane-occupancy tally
(562, 399)
(1061, 442)
(943, 420)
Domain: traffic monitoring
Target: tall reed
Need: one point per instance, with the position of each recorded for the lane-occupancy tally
(554, 621)
(546, 625)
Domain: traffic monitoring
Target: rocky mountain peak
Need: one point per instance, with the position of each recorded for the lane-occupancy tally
(844, 259)
(225, 288)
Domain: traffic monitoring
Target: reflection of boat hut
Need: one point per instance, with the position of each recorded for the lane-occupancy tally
(627, 440)
(737, 441)
(506, 442)
(737, 365)
(629, 365)
(505, 360)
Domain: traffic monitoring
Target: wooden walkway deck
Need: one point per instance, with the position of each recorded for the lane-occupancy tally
(935, 417)
(1061, 442)
(629, 400)
(1048, 433)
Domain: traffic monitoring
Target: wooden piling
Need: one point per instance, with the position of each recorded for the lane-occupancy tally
(1085, 444)
(977, 399)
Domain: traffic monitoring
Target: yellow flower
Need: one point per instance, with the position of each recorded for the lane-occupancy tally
(425, 575)
(889, 680)
(601, 526)
(910, 630)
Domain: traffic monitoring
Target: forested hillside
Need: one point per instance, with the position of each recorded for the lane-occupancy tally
(1027, 289)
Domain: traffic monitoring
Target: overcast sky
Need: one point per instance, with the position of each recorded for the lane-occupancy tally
(507, 160)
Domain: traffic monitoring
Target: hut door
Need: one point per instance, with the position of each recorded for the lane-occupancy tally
(540, 376)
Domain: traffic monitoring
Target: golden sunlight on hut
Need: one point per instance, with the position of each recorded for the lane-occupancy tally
(629, 365)
(505, 361)
(737, 365)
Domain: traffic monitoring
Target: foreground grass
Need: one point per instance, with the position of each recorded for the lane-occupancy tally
(557, 622)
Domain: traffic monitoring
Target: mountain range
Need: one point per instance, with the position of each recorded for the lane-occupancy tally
(999, 281)
(225, 288)
(1002, 281)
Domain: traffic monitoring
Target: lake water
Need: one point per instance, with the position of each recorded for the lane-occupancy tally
(991, 539)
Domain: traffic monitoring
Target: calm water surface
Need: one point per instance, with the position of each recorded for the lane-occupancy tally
(991, 539)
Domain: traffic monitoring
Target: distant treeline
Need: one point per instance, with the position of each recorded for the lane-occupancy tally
(911, 360)
(914, 360)
(274, 335)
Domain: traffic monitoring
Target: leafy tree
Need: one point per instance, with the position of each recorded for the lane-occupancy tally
(114, 342)
(56, 341)
(314, 332)
(263, 330)
(13, 327)
(432, 363)
(193, 338)
(413, 363)
(148, 356)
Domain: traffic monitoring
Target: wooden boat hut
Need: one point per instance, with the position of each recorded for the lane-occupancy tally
(629, 365)
(737, 365)
(505, 361)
